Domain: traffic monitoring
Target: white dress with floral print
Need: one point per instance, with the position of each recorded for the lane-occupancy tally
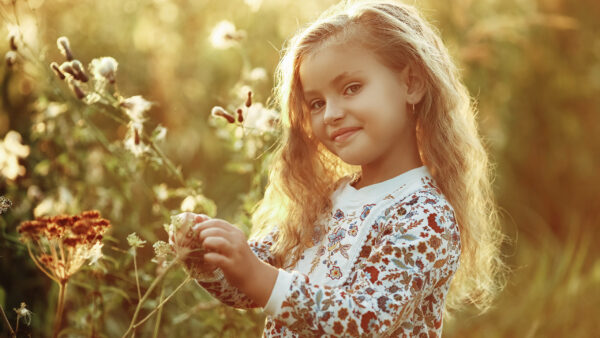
(382, 270)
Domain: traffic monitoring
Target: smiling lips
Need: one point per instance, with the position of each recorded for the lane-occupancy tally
(343, 133)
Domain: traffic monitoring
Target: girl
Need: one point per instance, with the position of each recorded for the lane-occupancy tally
(378, 216)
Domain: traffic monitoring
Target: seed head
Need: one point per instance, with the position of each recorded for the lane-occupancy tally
(134, 241)
(64, 47)
(221, 112)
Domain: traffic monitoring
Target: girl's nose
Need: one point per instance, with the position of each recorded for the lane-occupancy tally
(333, 113)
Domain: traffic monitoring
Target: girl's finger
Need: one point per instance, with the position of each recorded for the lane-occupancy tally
(212, 223)
(216, 259)
(217, 244)
(212, 232)
(201, 218)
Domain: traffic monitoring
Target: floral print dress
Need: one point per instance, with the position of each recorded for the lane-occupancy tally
(382, 270)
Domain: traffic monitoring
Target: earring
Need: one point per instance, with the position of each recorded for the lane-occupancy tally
(413, 110)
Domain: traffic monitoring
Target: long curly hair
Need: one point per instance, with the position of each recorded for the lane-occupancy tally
(303, 173)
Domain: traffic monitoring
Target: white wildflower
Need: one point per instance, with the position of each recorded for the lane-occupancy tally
(135, 107)
(189, 204)
(159, 133)
(133, 140)
(161, 191)
(23, 312)
(257, 74)
(11, 149)
(259, 119)
(104, 69)
(225, 35)
(95, 253)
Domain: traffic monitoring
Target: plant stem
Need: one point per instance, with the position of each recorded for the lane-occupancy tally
(146, 295)
(137, 279)
(159, 306)
(7, 323)
(62, 289)
(157, 324)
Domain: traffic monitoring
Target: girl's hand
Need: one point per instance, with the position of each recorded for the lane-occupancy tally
(228, 249)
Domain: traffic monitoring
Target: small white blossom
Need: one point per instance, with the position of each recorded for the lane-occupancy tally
(161, 249)
(23, 312)
(259, 119)
(104, 69)
(134, 143)
(225, 35)
(11, 149)
(135, 107)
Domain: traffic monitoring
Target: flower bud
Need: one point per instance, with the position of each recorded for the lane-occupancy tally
(104, 68)
(63, 46)
(80, 73)
(66, 67)
(221, 112)
(57, 71)
(12, 39)
(10, 58)
(240, 115)
(249, 99)
(75, 88)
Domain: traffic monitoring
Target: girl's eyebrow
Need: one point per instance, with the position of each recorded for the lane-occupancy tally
(333, 82)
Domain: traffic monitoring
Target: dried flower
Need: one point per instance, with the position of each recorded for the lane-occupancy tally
(104, 69)
(221, 112)
(57, 70)
(187, 249)
(10, 58)
(60, 245)
(64, 47)
(11, 150)
(5, 204)
(225, 35)
(134, 241)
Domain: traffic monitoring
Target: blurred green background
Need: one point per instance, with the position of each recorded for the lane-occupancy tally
(532, 66)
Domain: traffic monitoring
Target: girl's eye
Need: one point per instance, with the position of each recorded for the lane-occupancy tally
(316, 105)
(352, 89)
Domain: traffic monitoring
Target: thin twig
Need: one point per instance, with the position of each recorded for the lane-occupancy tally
(137, 279)
(187, 279)
(7, 323)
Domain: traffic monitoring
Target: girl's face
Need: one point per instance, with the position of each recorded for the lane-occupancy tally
(347, 88)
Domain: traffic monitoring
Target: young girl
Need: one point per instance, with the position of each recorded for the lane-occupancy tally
(379, 215)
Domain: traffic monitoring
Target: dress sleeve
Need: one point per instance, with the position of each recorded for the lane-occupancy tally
(416, 249)
(219, 287)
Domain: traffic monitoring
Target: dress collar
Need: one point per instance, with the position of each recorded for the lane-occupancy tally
(378, 190)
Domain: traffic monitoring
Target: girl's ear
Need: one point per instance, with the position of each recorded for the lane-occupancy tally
(415, 83)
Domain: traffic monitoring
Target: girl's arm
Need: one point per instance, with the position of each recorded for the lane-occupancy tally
(416, 257)
(223, 290)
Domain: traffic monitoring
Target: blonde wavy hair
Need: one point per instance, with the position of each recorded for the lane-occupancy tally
(303, 173)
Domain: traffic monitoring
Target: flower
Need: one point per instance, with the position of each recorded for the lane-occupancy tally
(5, 204)
(134, 241)
(11, 150)
(260, 119)
(104, 69)
(133, 141)
(225, 35)
(161, 249)
(23, 312)
(60, 245)
(135, 107)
